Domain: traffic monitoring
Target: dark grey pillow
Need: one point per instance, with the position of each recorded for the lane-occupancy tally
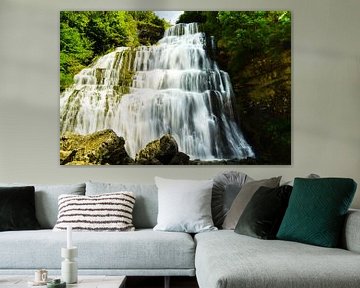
(243, 198)
(46, 200)
(263, 214)
(225, 189)
(17, 209)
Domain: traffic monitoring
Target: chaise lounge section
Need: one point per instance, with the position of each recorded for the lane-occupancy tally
(225, 259)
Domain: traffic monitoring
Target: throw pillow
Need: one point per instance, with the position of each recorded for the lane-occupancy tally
(243, 198)
(263, 215)
(226, 186)
(316, 211)
(106, 212)
(17, 208)
(146, 205)
(184, 205)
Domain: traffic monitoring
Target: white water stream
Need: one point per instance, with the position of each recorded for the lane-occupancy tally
(176, 88)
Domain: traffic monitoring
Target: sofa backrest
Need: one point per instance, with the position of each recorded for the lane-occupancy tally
(46, 200)
(146, 203)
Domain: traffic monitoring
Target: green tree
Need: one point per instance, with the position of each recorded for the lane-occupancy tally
(192, 16)
(255, 32)
(88, 34)
(75, 53)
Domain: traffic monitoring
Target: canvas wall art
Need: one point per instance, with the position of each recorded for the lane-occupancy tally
(175, 87)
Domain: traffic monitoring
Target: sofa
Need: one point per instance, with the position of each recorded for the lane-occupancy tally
(218, 259)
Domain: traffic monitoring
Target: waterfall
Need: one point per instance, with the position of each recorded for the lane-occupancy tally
(172, 87)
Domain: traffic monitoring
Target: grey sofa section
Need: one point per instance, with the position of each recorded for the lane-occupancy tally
(221, 259)
(128, 252)
(225, 259)
(143, 252)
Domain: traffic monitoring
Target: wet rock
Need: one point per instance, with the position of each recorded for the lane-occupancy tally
(67, 156)
(100, 148)
(180, 159)
(163, 151)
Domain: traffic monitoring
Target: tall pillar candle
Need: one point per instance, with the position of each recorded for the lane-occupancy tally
(69, 237)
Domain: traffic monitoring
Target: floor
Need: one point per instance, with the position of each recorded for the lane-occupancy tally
(158, 282)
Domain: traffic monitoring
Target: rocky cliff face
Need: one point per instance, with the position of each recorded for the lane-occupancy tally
(100, 148)
(106, 148)
(263, 99)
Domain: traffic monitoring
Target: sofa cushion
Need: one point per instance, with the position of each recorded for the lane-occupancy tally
(225, 259)
(105, 212)
(243, 198)
(225, 189)
(184, 205)
(46, 200)
(351, 237)
(136, 250)
(17, 208)
(146, 205)
(263, 215)
(317, 209)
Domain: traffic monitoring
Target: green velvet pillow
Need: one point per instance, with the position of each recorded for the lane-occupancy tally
(17, 208)
(316, 211)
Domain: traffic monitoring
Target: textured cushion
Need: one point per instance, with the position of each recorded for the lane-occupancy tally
(146, 205)
(46, 200)
(263, 215)
(243, 198)
(184, 205)
(17, 208)
(317, 209)
(226, 186)
(225, 259)
(106, 212)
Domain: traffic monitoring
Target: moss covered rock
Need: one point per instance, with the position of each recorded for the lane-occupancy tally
(100, 148)
(163, 151)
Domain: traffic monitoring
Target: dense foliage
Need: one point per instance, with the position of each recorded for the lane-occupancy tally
(87, 34)
(254, 47)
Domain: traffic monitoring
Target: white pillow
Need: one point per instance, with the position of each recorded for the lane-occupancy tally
(104, 212)
(184, 205)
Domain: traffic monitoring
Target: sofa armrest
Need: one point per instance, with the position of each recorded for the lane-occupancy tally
(351, 234)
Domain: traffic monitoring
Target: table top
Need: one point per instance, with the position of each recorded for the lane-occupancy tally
(84, 281)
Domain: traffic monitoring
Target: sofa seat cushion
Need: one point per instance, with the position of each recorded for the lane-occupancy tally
(226, 259)
(142, 249)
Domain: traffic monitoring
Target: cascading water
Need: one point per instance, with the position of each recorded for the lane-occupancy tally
(172, 87)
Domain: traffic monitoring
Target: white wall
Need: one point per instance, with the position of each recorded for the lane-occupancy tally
(325, 92)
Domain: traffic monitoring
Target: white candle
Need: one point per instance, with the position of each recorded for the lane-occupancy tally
(69, 237)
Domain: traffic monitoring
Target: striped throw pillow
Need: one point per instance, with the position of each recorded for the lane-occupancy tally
(105, 212)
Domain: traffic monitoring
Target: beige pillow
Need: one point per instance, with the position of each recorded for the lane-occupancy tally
(243, 198)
